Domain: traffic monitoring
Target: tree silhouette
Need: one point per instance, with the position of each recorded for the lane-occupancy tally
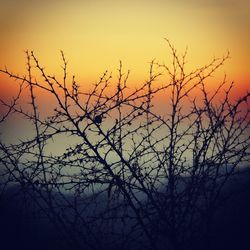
(129, 174)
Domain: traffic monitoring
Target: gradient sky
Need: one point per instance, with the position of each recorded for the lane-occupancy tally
(96, 34)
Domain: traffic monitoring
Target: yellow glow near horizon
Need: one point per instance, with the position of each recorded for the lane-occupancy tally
(95, 35)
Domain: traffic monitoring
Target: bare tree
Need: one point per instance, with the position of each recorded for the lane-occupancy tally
(129, 174)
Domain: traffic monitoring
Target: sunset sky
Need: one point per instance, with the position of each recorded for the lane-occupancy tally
(96, 34)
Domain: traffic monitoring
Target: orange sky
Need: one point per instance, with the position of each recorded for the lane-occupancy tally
(96, 34)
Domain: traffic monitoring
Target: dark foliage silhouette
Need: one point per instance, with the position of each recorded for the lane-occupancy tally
(112, 170)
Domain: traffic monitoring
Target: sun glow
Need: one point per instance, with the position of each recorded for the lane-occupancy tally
(96, 35)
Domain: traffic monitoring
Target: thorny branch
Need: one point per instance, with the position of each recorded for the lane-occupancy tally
(137, 173)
